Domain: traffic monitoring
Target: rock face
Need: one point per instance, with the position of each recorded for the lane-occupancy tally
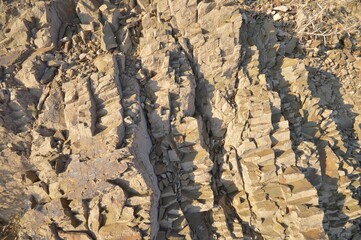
(171, 120)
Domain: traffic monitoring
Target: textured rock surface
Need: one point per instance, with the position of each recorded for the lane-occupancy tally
(173, 120)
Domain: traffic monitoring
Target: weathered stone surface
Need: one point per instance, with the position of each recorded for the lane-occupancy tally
(176, 120)
(357, 63)
(108, 38)
(87, 10)
(74, 236)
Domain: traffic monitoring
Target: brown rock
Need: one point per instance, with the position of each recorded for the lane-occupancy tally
(357, 63)
(118, 231)
(74, 236)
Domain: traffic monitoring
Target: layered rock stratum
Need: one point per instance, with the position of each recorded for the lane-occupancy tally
(171, 119)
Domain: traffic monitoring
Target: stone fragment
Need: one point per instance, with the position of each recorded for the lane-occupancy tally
(118, 231)
(357, 63)
(105, 64)
(74, 236)
(55, 63)
(277, 17)
(4, 96)
(48, 75)
(113, 203)
(87, 10)
(108, 38)
(281, 8)
(290, 46)
(47, 57)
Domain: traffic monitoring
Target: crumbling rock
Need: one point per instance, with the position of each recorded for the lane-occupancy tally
(173, 120)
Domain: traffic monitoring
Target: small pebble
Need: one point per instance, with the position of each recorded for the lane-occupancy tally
(281, 8)
(277, 17)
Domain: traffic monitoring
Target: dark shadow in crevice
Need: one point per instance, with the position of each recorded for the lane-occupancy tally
(331, 201)
(342, 114)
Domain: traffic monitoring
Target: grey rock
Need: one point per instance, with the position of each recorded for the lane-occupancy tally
(48, 75)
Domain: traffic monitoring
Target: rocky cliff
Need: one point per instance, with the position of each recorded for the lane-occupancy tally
(171, 119)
